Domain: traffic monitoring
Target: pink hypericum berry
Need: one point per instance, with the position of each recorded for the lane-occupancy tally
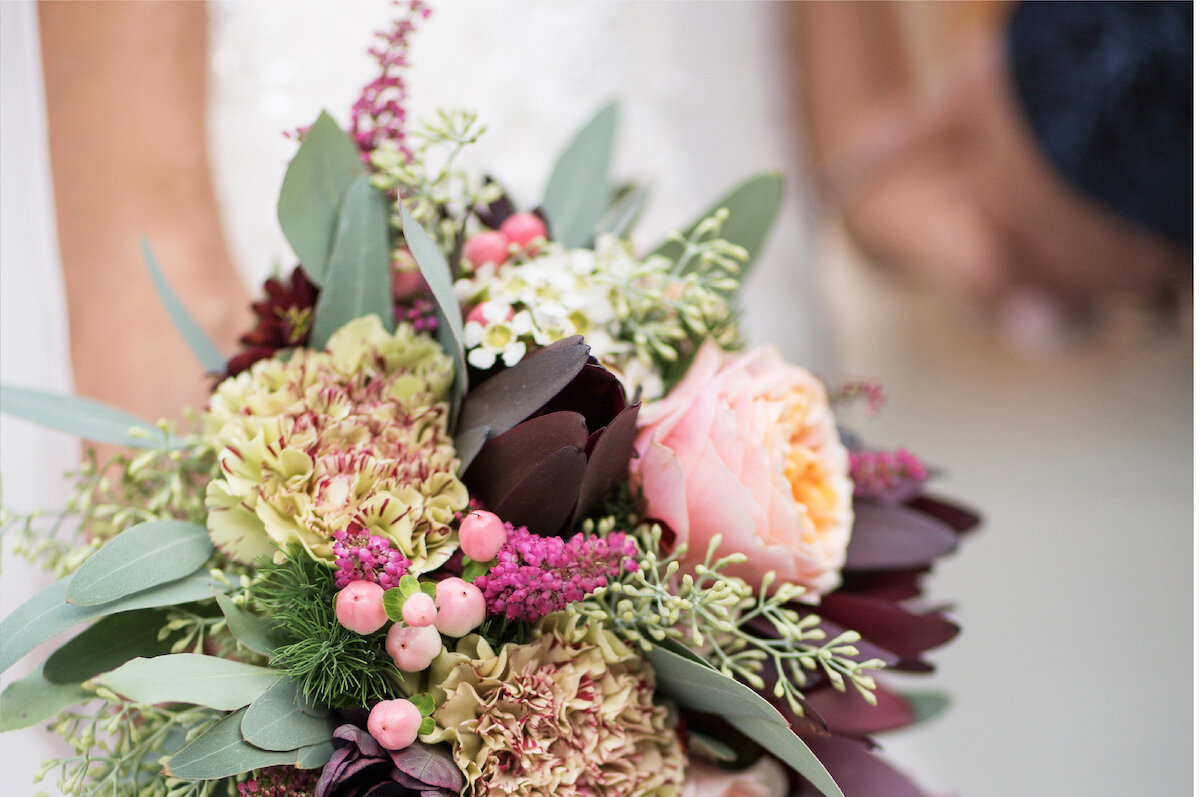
(486, 247)
(359, 607)
(413, 648)
(523, 229)
(461, 607)
(394, 723)
(419, 610)
(481, 535)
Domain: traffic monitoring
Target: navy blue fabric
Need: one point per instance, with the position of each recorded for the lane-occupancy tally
(1107, 89)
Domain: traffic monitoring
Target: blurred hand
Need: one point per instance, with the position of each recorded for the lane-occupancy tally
(955, 193)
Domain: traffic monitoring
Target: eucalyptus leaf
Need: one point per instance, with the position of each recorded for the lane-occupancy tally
(200, 344)
(752, 205)
(577, 192)
(81, 417)
(141, 557)
(47, 613)
(926, 705)
(276, 720)
(250, 629)
(314, 188)
(221, 752)
(192, 678)
(33, 699)
(710, 748)
(698, 686)
(107, 644)
(624, 213)
(314, 756)
(359, 277)
(436, 271)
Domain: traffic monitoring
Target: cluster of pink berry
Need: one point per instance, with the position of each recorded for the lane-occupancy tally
(536, 576)
(520, 232)
(363, 557)
(877, 474)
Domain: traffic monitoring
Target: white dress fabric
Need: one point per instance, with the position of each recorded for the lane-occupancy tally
(704, 101)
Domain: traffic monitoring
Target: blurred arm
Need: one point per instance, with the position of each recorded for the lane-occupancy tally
(125, 93)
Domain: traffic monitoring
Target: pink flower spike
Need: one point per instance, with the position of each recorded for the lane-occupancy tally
(394, 723)
(419, 610)
(481, 535)
(359, 607)
(461, 607)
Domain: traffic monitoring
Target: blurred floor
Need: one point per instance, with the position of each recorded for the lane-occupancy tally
(1073, 675)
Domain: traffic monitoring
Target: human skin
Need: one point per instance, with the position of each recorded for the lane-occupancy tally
(125, 93)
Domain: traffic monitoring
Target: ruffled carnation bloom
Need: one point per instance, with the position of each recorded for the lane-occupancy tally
(570, 713)
(353, 436)
(747, 448)
(766, 778)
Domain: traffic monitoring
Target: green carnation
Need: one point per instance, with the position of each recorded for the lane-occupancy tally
(353, 434)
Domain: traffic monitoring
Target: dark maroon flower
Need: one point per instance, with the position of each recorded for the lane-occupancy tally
(547, 438)
(283, 320)
(361, 768)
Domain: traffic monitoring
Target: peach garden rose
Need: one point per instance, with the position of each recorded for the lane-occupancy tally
(746, 447)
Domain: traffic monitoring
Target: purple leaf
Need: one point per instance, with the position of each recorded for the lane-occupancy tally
(888, 585)
(892, 537)
(433, 766)
(506, 460)
(956, 517)
(887, 624)
(848, 714)
(515, 393)
(608, 460)
(543, 500)
(857, 771)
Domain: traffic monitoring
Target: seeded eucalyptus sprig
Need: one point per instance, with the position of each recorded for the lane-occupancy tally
(715, 615)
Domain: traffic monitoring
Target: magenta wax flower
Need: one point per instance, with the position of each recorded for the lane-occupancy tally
(461, 607)
(523, 229)
(486, 247)
(360, 556)
(536, 576)
(419, 610)
(481, 535)
(886, 475)
(394, 723)
(359, 607)
(413, 648)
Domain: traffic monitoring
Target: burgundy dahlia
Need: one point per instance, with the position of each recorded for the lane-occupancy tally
(360, 767)
(283, 320)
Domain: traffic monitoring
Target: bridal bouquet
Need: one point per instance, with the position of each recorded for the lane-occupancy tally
(490, 503)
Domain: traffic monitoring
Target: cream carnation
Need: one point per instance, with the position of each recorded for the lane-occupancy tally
(354, 434)
(571, 713)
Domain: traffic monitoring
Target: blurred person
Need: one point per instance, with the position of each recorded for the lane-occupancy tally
(1051, 170)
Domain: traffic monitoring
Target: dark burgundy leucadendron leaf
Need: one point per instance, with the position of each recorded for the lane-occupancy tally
(506, 460)
(515, 393)
(888, 625)
(608, 459)
(857, 771)
(888, 585)
(360, 767)
(889, 537)
(545, 498)
(953, 515)
(847, 714)
(594, 393)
